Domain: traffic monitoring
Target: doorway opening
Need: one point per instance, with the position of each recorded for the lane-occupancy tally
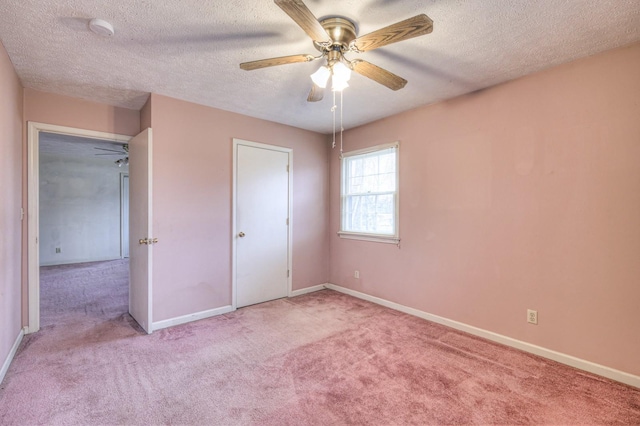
(76, 221)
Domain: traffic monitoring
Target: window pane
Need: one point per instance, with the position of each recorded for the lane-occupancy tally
(370, 166)
(388, 163)
(384, 214)
(369, 183)
(354, 186)
(371, 214)
(371, 173)
(386, 182)
(355, 167)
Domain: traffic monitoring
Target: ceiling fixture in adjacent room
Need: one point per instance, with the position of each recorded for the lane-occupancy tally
(101, 27)
(122, 161)
(124, 153)
(336, 36)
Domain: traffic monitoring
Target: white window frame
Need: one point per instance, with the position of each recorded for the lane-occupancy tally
(380, 238)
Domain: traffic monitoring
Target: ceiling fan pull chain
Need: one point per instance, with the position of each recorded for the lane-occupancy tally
(341, 126)
(333, 111)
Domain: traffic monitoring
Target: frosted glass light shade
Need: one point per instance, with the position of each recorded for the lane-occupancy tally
(341, 71)
(338, 85)
(321, 77)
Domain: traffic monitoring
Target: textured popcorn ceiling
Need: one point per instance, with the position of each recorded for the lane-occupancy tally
(190, 49)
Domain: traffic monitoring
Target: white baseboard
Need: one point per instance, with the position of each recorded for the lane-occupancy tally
(83, 260)
(192, 317)
(12, 353)
(222, 310)
(591, 367)
(306, 290)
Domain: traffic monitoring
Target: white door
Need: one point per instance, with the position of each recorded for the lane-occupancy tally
(124, 213)
(140, 229)
(262, 207)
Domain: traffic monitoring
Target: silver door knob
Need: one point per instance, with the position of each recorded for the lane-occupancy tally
(241, 234)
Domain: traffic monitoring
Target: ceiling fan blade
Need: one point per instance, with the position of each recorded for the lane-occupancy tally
(283, 60)
(378, 74)
(316, 94)
(107, 149)
(404, 30)
(297, 10)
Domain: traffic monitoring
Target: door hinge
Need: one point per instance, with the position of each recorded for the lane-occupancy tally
(288, 273)
(287, 168)
(287, 221)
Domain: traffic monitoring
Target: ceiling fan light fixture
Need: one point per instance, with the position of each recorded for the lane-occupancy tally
(321, 76)
(341, 72)
(336, 36)
(338, 85)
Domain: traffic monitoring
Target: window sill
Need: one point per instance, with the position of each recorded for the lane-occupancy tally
(387, 239)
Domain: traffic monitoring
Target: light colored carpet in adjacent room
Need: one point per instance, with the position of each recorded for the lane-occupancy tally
(321, 359)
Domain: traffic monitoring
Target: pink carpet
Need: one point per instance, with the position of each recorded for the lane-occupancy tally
(321, 359)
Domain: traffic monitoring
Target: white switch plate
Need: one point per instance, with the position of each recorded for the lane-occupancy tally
(532, 316)
(356, 274)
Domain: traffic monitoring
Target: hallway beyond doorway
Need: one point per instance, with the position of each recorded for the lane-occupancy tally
(84, 294)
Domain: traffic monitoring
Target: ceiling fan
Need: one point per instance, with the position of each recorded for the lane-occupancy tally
(336, 36)
(124, 153)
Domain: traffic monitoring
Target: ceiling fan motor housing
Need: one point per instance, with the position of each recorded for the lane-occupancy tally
(342, 33)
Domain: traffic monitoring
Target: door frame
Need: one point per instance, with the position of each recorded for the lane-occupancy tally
(33, 206)
(234, 231)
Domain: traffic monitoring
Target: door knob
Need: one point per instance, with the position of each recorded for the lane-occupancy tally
(241, 234)
(148, 241)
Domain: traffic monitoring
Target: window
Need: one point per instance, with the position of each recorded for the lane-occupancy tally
(369, 194)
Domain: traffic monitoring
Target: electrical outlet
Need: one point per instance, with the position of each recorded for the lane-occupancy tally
(58, 250)
(356, 274)
(532, 316)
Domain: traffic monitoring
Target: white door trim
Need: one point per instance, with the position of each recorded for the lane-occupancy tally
(33, 208)
(234, 231)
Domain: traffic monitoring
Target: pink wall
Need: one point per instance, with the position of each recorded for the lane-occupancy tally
(192, 202)
(526, 195)
(61, 110)
(11, 196)
(50, 108)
